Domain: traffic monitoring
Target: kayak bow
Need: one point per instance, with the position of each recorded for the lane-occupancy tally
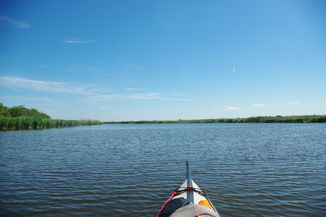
(188, 201)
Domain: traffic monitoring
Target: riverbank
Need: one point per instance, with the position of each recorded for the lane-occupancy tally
(28, 123)
(260, 119)
(22, 118)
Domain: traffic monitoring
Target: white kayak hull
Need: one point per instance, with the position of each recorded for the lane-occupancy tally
(191, 199)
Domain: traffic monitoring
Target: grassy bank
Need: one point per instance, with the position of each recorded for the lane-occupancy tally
(26, 123)
(261, 119)
(21, 118)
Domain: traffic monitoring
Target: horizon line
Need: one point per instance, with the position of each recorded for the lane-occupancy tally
(202, 119)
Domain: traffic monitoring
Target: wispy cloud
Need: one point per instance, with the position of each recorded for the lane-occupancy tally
(153, 96)
(28, 98)
(231, 108)
(79, 41)
(258, 105)
(49, 86)
(17, 82)
(234, 69)
(94, 93)
(16, 24)
(135, 96)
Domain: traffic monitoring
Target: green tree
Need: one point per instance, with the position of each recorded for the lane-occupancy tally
(3, 111)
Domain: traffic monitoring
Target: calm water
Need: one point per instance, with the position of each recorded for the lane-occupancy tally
(130, 170)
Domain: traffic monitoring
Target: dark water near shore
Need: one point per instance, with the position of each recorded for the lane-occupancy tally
(130, 170)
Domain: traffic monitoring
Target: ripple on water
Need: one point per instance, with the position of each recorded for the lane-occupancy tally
(130, 170)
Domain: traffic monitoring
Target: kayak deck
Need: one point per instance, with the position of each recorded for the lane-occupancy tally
(188, 194)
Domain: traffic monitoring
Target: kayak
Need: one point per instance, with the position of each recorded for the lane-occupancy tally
(188, 201)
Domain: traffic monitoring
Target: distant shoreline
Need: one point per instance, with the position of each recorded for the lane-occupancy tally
(21, 118)
(259, 119)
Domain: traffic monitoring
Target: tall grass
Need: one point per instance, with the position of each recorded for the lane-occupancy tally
(25, 123)
(21, 118)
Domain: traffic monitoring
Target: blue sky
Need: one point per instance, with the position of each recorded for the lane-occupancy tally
(164, 60)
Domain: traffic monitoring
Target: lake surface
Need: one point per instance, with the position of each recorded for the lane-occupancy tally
(130, 170)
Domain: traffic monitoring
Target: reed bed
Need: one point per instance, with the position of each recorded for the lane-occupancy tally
(27, 123)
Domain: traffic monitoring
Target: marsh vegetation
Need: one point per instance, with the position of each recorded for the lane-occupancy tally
(22, 118)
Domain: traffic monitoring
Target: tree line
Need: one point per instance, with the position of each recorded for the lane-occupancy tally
(260, 119)
(22, 118)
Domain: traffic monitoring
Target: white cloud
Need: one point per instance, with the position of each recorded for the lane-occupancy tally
(153, 96)
(231, 108)
(28, 98)
(79, 41)
(136, 96)
(49, 86)
(96, 93)
(258, 105)
(92, 89)
(24, 83)
(16, 24)
(233, 69)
